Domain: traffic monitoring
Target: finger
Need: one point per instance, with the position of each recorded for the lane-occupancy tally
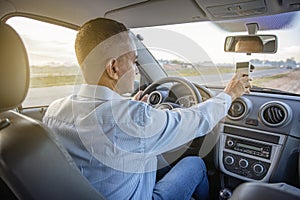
(247, 90)
(137, 95)
(237, 75)
(244, 78)
(247, 85)
(145, 98)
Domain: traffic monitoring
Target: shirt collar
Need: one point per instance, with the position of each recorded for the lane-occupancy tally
(97, 92)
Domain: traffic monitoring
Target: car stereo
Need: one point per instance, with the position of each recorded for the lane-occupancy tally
(249, 154)
(248, 147)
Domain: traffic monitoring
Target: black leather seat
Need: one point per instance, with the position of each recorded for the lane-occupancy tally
(265, 191)
(33, 163)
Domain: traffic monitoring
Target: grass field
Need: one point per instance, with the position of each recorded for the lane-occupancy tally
(200, 71)
(47, 76)
(264, 80)
(287, 81)
(48, 81)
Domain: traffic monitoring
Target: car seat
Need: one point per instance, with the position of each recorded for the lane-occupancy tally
(33, 163)
(265, 191)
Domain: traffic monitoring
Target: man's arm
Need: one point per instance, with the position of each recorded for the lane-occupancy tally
(165, 130)
(169, 129)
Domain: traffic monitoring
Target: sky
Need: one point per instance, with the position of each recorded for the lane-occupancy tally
(193, 42)
(211, 38)
(46, 43)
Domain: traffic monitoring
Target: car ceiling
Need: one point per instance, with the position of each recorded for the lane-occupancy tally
(141, 13)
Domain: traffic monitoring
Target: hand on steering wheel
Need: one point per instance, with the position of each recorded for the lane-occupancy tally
(169, 105)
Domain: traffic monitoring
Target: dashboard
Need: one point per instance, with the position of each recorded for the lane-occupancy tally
(260, 136)
(260, 139)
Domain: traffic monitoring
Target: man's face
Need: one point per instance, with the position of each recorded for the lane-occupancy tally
(128, 70)
(248, 46)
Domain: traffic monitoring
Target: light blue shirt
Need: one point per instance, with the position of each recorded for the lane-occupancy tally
(115, 141)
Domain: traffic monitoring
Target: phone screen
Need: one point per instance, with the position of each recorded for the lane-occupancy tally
(243, 68)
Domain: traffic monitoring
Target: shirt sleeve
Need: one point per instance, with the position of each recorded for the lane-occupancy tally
(163, 130)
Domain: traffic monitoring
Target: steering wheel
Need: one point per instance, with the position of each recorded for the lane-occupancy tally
(194, 91)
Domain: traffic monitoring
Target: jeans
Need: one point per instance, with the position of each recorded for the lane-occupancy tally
(188, 178)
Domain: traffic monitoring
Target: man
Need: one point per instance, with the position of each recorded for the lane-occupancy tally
(114, 141)
(252, 44)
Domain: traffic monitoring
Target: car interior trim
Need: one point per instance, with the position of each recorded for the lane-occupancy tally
(251, 133)
(271, 163)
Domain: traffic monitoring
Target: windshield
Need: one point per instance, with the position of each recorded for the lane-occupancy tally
(196, 51)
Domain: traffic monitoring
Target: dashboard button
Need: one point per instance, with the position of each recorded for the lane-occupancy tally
(230, 143)
(243, 163)
(258, 168)
(229, 160)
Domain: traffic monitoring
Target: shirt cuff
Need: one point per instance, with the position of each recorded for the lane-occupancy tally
(226, 98)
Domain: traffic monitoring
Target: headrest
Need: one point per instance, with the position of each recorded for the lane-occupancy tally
(14, 68)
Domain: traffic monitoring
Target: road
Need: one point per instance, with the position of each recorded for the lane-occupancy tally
(44, 96)
(223, 79)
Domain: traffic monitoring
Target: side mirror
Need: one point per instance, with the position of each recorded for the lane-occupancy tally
(251, 44)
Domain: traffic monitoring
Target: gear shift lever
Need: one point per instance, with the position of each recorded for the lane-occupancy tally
(225, 194)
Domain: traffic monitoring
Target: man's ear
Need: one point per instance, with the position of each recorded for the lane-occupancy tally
(112, 69)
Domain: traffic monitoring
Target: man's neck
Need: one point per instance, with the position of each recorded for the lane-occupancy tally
(106, 81)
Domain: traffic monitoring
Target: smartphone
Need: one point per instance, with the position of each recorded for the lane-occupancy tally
(243, 68)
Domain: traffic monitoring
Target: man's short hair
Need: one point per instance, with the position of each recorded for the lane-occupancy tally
(255, 44)
(94, 32)
(252, 39)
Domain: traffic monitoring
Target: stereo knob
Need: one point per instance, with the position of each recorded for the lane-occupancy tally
(243, 163)
(229, 160)
(258, 168)
(230, 143)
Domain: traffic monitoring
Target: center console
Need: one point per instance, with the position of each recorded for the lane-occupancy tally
(249, 154)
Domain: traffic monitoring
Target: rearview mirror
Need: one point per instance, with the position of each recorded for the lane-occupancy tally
(251, 44)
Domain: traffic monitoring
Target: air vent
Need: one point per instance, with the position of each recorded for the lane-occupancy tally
(275, 113)
(238, 109)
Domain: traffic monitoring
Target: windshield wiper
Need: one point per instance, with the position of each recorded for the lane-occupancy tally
(270, 90)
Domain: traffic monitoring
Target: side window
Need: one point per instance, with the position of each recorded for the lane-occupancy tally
(53, 66)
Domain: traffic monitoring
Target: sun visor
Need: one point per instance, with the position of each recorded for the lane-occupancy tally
(265, 22)
(240, 9)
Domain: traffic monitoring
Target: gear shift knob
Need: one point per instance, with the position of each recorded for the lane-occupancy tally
(225, 194)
